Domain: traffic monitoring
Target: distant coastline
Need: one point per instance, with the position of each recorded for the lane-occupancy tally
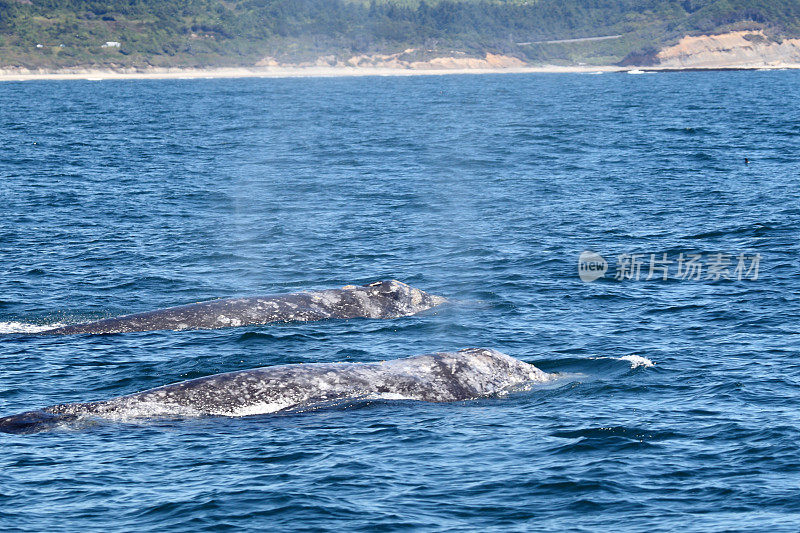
(737, 50)
(278, 72)
(330, 72)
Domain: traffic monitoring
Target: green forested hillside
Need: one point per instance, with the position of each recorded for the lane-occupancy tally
(60, 33)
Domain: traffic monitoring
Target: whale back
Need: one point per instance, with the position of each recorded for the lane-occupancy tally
(438, 377)
(382, 299)
(462, 375)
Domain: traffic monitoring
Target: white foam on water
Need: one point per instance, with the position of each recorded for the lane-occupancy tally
(22, 327)
(551, 380)
(637, 361)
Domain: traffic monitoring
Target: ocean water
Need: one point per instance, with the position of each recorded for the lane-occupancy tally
(678, 404)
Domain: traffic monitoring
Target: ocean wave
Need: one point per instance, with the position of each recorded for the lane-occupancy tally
(637, 360)
(23, 327)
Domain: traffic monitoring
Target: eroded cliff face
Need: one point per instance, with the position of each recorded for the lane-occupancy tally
(743, 49)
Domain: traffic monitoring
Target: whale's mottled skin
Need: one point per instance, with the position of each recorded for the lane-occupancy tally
(439, 377)
(382, 299)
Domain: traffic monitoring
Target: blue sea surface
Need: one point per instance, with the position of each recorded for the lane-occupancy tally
(125, 196)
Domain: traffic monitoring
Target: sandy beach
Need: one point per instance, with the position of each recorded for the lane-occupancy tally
(329, 72)
(277, 72)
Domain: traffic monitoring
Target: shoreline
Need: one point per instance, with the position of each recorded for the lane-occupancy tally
(330, 72)
(277, 72)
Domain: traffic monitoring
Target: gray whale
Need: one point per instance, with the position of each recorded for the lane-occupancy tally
(438, 377)
(382, 299)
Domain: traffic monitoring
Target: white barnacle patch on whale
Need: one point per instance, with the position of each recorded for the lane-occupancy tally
(329, 299)
(389, 396)
(261, 408)
(371, 310)
(416, 298)
(148, 410)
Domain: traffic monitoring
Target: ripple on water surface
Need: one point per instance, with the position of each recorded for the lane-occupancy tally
(129, 196)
